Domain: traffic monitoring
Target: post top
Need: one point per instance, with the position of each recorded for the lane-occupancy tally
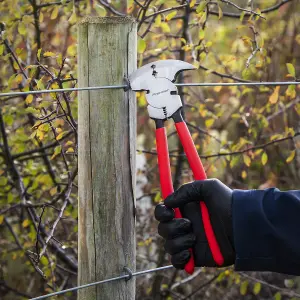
(107, 20)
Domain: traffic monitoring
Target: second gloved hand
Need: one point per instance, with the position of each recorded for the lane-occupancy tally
(188, 232)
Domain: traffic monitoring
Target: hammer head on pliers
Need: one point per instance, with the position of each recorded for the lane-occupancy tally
(157, 79)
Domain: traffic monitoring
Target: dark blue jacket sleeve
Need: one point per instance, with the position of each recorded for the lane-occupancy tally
(266, 226)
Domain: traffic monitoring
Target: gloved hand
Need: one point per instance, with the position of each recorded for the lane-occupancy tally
(188, 232)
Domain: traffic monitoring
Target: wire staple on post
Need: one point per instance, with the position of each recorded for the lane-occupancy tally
(129, 273)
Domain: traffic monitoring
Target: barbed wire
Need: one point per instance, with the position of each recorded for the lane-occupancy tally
(127, 277)
(126, 87)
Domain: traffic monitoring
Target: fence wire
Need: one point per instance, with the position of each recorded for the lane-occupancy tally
(126, 277)
(126, 87)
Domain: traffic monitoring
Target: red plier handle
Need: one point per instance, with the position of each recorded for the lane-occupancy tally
(199, 174)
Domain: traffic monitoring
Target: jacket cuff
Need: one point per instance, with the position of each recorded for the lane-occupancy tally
(250, 231)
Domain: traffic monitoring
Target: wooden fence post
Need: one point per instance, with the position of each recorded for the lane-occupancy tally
(107, 137)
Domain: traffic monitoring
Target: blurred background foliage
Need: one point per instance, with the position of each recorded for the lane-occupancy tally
(247, 136)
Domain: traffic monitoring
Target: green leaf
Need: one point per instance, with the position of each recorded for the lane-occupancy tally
(22, 28)
(257, 288)
(141, 45)
(291, 157)
(171, 15)
(201, 7)
(201, 34)
(264, 158)
(244, 287)
(44, 260)
(291, 69)
(1, 49)
(39, 54)
(3, 181)
(277, 296)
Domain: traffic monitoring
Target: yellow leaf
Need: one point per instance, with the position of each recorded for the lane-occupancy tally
(29, 99)
(291, 157)
(22, 28)
(247, 160)
(41, 17)
(274, 97)
(70, 150)
(165, 27)
(201, 7)
(264, 158)
(220, 12)
(54, 12)
(141, 45)
(192, 3)
(25, 223)
(171, 15)
(157, 197)
(60, 136)
(53, 191)
(19, 78)
(1, 219)
(209, 122)
(244, 174)
(49, 54)
(157, 21)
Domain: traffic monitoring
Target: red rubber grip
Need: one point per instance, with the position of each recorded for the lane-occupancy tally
(199, 174)
(165, 177)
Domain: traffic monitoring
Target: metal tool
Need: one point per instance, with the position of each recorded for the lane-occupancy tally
(157, 79)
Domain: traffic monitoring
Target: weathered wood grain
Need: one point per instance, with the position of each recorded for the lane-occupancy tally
(107, 137)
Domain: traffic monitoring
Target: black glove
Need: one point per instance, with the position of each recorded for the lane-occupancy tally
(188, 232)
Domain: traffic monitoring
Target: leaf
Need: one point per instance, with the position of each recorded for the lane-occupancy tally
(19, 78)
(244, 174)
(291, 157)
(277, 296)
(39, 54)
(157, 197)
(201, 34)
(49, 54)
(29, 99)
(243, 288)
(209, 122)
(26, 223)
(53, 191)
(54, 13)
(171, 15)
(220, 12)
(157, 21)
(70, 150)
(41, 17)
(60, 136)
(3, 181)
(1, 49)
(201, 7)
(264, 158)
(22, 28)
(274, 97)
(247, 160)
(192, 3)
(257, 288)
(165, 27)
(291, 69)
(44, 261)
(1, 219)
(141, 45)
